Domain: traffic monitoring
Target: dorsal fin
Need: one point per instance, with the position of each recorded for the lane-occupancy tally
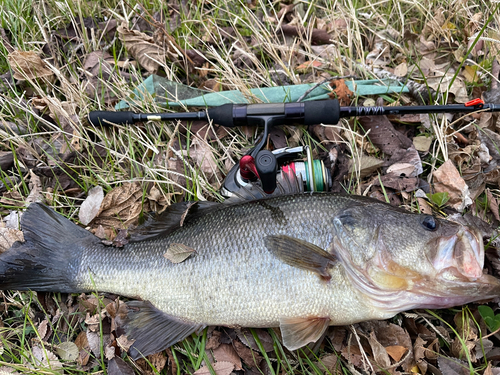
(174, 217)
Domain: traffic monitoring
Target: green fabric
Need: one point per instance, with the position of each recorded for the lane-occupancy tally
(174, 94)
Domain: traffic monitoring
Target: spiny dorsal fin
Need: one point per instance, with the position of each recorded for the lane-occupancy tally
(301, 254)
(298, 332)
(152, 329)
(175, 216)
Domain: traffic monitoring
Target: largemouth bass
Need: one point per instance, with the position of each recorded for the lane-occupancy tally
(298, 262)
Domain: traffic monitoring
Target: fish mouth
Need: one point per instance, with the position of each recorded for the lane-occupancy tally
(459, 257)
(457, 277)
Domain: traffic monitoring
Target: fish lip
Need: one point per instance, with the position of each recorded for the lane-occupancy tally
(460, 257)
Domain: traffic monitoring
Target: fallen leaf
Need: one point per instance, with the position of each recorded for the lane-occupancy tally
(329, 363)
(246, 337)
(202, 154)
(226, 353)
(91, 205)
(248, 356)
(220, 368)
(422, 143)
(379, 353)
(317, 36)
(124, 343)
(213, 341)
(121, 207)
(308, 65)
(177, 252)
(158, 360)
(441, 83)
(493, 204)
(67, 351)
(143, 48)
(401, 70)
(396, 352)
(44, 357)
(341, 92)
(6, 160)
(118, 366)
(447, 179)
(470, 73)
(8, 236)
(383, 135)
(28, 66)
(450, 366)
(364, 165)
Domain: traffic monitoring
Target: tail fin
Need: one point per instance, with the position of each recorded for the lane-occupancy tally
(48, 259)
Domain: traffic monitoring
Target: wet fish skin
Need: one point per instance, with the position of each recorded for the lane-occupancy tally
(378, 261)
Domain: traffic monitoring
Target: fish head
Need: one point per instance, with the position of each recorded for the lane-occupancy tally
(404, 260)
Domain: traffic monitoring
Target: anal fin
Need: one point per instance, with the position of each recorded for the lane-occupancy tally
(298, 332)
(152, 329)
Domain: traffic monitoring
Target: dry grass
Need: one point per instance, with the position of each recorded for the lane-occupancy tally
(52, 111)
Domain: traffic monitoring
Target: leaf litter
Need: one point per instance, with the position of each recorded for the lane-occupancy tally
(406, 160)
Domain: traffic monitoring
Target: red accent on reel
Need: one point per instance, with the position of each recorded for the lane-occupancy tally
(248, 170)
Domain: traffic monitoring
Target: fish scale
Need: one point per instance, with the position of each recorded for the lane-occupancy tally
(298, 262)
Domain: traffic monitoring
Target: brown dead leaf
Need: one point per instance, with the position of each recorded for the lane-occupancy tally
(307, 66)
(401, 70)
(493, 204)
(329, 363)
(28, 66)
(226, 353)
(124, 343)
(202, 154)
(118, 366)
(396, 352)
(44, 357)
(383, 135)
(365, 165)
(63, 113)
(422, 143)
(220, 368)
(214, 340)
(121, 207)
(441, 80)
(380, 355)
(452, 366)
(340, 92)
(447, 179)
(143, 48)
(8, 236)
(246, 337)
(248, 356)
(177, 252)
(317, 36)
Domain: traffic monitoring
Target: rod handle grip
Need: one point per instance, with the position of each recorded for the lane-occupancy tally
(321, 112)
(222, 115)
(98, 118)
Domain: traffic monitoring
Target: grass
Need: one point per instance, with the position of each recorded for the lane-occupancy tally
(149, 154)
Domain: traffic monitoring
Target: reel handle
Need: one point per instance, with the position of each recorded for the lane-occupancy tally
(267, 167)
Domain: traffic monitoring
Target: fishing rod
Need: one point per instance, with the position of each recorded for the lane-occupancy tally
(305, 113)
(263, 165)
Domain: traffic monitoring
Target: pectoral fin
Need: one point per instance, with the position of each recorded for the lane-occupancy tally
(301, 254)
(298, 332)
(152, 329)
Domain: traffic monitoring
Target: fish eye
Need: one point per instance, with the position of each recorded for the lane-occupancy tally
(429, 223)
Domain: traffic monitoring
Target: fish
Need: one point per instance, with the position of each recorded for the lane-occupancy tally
(300, 262)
